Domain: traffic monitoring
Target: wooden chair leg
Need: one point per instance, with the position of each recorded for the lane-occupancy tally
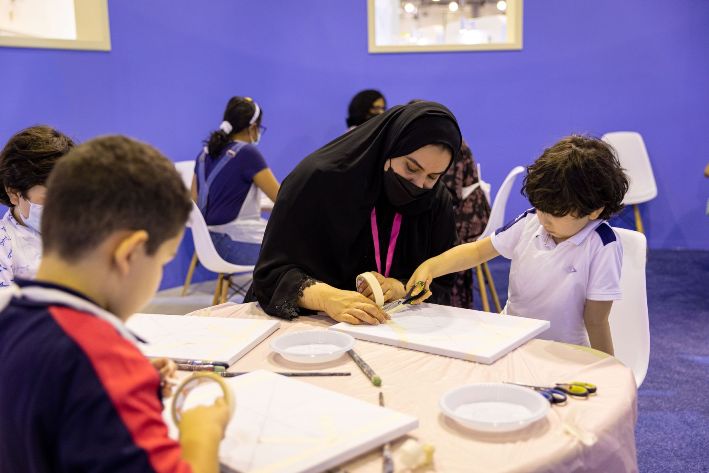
(638, 220)
(190, 272)
(218, 289)
(483, 290)
(225, 290)
(493, 290)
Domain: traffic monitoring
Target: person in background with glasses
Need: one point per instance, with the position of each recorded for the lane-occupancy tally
(365, 105)
(230, 174)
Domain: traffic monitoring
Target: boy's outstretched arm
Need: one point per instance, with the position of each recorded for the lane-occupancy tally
(595, 317)
(458, 258)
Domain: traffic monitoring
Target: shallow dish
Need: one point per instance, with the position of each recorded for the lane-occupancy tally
(494, 407)
(312, 346)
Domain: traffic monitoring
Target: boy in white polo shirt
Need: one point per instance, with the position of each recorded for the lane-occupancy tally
(566, 259)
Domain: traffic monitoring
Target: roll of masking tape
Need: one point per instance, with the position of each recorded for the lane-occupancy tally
(184, 389)
(374, 285)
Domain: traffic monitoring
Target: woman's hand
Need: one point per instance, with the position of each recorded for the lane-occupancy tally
(392, 288)
(422, 277)
(353, 308)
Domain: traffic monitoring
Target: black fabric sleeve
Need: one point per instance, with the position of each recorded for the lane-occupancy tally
(283, 300)
(307, 240)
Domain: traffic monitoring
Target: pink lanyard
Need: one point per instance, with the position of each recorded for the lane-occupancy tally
(396, 226)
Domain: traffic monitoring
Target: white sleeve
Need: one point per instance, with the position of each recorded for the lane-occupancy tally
(506, 238)
(604, 273)
(7, 276)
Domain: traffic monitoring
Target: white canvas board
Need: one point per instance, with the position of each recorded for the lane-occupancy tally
(451, 331)
(219, 339)
(282, 425)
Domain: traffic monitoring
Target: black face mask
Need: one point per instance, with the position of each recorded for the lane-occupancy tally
(400, 192)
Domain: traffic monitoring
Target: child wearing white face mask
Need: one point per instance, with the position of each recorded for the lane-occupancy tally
(25, 163)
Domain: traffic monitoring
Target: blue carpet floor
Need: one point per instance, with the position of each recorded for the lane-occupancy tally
(672, 431)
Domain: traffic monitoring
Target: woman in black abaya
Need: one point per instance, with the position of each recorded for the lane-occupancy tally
(374, 191)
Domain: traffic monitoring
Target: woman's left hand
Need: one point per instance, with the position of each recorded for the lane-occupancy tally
(393, 289)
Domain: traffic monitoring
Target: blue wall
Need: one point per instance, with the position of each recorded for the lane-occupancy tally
(585, 67)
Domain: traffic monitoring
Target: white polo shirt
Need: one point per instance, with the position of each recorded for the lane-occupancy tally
(552, 281)
(20, 250)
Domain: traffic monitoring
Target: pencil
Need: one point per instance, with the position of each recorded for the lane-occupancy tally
(205, 367)
(369, 372)
(183, 361)
(296, 374)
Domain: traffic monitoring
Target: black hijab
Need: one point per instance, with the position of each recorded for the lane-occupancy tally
(320, 230)
(358, 111)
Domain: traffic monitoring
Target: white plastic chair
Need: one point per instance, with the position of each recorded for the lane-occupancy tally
(633, 156)
(186, 170)
(630, 326)
(485, 186)
(210, 259)
(496, 220)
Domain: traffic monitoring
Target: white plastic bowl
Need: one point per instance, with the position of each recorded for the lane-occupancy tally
(312, 346)
(494, 407)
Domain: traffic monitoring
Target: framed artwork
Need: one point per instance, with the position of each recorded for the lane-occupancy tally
(407, 26)
(57, 24)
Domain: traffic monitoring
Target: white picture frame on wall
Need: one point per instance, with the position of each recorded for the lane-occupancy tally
(412, 26)
(55, 24)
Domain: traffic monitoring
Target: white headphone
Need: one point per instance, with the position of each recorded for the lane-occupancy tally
(227, 127)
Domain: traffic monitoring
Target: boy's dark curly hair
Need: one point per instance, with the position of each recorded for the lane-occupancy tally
(576, 176)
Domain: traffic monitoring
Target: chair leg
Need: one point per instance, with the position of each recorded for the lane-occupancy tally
(218, 289)
(190, 272)
(493, 290)
(225, 290)
(483, 290)
(638, 220)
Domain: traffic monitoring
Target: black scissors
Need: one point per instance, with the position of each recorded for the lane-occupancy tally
(408, 298)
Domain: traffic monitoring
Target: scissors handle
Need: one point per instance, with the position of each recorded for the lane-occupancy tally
(574, 390)
(591, 388)
(554, 396)
(408, 298)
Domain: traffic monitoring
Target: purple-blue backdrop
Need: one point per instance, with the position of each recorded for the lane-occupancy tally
(586, 67)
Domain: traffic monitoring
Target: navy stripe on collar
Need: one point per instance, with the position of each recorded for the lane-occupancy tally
(26, 283)
(606, 233)
(520, 217)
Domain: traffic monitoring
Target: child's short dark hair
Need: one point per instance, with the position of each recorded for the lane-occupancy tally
(576, 176)
(28, 158)
(109, 184)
